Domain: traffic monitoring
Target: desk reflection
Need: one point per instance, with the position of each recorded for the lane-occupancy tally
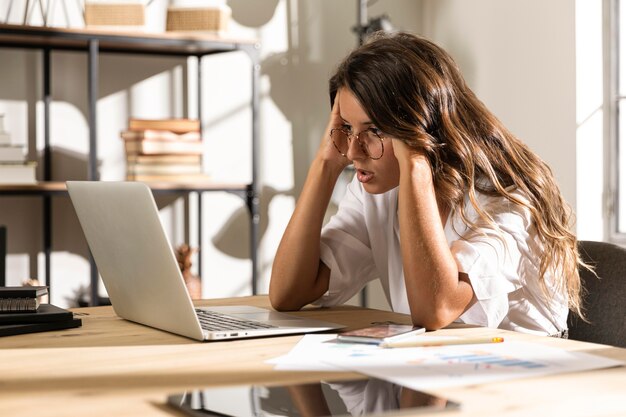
(354, 397)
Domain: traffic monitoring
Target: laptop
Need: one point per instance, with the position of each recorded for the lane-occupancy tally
(142, 277)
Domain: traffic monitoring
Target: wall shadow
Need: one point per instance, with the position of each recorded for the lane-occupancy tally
(233, 237)
(69, 74)
(21, 81)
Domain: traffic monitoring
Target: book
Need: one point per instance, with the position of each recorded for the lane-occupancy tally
(170, 178)
(163, 169)
(23, 292)
(163, 159)
(45, 313)
(18, 173)
(12, 153)
(154, 147)
(151, 134)
(3, 254)
(14, 305)
(173, 125)
(15, 329)
(20, 299)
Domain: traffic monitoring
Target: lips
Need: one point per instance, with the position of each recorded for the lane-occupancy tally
(364, 176)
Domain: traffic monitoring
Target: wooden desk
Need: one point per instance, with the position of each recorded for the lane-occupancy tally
(111, 367)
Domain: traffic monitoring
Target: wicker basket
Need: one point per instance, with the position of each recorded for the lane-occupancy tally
(214, 19)
(114, 14)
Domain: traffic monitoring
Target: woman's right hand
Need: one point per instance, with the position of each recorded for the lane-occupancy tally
(299, 277)
(327, 151)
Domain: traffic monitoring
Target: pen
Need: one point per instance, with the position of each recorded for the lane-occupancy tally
(426, 343)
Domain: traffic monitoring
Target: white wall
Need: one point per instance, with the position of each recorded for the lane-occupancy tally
(538, 66)
(517, 55)
(519, 58)
(590, 141)
(301, 43)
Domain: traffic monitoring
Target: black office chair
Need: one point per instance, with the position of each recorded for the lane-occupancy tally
(605, 298)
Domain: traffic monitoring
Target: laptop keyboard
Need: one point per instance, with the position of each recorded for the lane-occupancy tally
(213, 321)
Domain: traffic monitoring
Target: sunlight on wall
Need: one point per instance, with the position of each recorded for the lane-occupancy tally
(589, 120)
(301, 42)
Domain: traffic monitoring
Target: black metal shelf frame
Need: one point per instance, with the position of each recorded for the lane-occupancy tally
(97, 43)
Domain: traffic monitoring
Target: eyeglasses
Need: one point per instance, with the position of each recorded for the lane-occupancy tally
(370, 142)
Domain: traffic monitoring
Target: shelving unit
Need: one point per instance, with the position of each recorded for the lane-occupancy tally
(94, 43)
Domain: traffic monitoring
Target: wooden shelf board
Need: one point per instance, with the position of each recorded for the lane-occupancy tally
(177, 43)
(52, 187)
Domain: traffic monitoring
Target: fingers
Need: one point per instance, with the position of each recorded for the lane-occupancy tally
(335, 113)
(335, 110)
(403, 147)
(327, 150)
(399, 147)
(402, 150)
(409, 156)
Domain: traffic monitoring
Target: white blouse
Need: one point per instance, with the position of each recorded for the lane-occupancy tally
(361, 243)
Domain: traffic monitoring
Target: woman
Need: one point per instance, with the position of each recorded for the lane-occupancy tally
(458, 218)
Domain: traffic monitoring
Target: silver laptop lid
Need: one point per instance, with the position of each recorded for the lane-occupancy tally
(133, 255)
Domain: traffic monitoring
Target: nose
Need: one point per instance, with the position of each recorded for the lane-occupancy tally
(355, 150)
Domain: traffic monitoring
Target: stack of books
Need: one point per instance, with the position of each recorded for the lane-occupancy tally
(21, 312)
(14, 169)
(167, 150)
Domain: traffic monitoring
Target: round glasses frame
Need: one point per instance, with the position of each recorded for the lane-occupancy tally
(351, 136)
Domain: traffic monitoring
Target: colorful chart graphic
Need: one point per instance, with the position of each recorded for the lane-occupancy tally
(489, 359)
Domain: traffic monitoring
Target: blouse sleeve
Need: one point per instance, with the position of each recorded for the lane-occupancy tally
(345, 249)
(494, 260)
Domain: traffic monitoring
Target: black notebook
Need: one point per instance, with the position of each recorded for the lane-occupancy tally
(45, 313)
(13, 329)
(20, 299)
(3, 254)
(23, 292)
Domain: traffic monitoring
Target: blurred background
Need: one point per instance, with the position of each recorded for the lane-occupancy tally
(537, 65)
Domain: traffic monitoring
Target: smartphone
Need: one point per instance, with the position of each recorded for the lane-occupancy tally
(380, 333)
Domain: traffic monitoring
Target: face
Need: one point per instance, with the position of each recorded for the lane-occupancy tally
(377, 176)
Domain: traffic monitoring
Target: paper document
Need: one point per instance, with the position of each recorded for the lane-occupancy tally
(307, 355)
(313, 349)
(422, 368)
(457, 365)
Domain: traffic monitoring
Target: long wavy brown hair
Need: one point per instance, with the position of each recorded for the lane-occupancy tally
(413, 91)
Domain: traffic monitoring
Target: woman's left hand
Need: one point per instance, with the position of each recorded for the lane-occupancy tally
(409, 156)
(401, 149)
